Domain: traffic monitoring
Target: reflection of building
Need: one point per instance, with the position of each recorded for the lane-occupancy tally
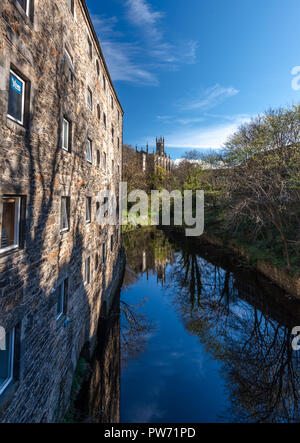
(61, 137)
(146, 252)
(158, 158)
(99, 401)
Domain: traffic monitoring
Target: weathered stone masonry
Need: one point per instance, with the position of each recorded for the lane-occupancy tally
(53, 48)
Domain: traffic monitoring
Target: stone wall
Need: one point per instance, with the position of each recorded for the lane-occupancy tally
(34, 165)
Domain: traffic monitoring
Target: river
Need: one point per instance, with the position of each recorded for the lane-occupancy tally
(204, 338)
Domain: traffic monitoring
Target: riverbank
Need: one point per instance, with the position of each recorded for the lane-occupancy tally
(288, 281)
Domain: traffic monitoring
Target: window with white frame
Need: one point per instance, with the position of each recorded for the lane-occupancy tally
(25, 4)
(88, 209)
(71, 5)
(65, 214)
(66, 135)
(10, 223)
(16, 98)
(7, 349)
(104, 161)
(90, 98)
(61, 295)
(90, 48)
(89, 150)
(112, 134)
(87, 270)
(69, 67)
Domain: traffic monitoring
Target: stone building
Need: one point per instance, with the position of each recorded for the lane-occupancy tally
(158, 158)
(61, 138)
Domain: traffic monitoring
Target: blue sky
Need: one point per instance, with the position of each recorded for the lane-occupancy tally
(194, 70)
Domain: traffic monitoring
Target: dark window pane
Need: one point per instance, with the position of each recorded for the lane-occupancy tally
(6, 356)
(23, 3)
(10, 213)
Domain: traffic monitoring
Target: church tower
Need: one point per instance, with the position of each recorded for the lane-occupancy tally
(160, 146)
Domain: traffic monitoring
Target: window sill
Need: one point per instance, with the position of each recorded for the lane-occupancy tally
(64, 231)
(15, 126)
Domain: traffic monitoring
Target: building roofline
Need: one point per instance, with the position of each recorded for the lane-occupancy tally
(100, 49)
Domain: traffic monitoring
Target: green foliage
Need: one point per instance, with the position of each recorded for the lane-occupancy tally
(76, 385)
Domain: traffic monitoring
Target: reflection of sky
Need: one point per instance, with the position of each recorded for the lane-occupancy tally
(174, 380)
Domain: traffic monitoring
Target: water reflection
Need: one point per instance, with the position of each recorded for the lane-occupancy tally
(241, 322)
(99, 397)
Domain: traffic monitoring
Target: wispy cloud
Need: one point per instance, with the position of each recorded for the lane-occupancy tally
(140, 14)
(181, 121)
(122, 67)
(206, 137)
(210, 98)
(141, 61)
(120, 55)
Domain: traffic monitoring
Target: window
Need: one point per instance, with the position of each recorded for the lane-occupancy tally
(104, 252)
(65, 214)
(87, 270)
(16, 98)
(66, 135)
(10, 223)
(104, 119)
(118, 115)
(118, 170)
(112, 102)
(118, 143)
(112, 166)
(98, 112)
(98, 157)
(69, 68)
(25, 5)
(104, 161)
(104, 82)
(112, 134)
(88, 210)
(61, 297)
(89, 150)
(90, 98)
(7, 348)
(112, 243)
(71, 5)
(96, 262)
(105, 204)
(98, 68)
(90, 48)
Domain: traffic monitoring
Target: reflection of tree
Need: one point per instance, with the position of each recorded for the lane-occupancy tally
(246, 330)
(134, 332)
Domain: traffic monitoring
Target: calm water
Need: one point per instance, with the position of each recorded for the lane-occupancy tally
(202, 338)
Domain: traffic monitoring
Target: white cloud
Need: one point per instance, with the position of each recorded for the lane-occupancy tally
(126, 60)
(207, 137)
(121, 65)
(140, 14)
(210, 98)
